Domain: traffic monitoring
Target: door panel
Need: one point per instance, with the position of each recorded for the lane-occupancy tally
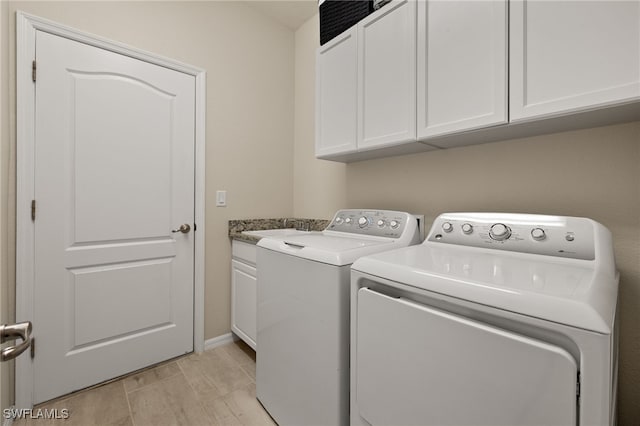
(417, 365)
(336, 95)
(138, 144)
(244, 303)
(462, 66)
(97, 293)
(114, 156)
(387, 73)
(594, 49)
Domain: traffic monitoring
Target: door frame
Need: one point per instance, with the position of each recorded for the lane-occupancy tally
(26, 27)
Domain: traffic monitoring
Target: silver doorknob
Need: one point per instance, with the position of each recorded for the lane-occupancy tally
(22, 331)
(185, 228)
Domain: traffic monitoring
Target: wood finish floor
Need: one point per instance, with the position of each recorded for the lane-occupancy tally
(216, 387)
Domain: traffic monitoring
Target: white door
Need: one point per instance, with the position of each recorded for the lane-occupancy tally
(416, 365)
(572, 55)
(387, 76)
(114, 175)
(462, 66)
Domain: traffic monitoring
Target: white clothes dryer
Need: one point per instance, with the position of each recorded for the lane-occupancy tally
(302, 365)
(496, 319)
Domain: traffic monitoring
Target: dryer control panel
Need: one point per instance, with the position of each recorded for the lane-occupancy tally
(380, 223)
(571, 237)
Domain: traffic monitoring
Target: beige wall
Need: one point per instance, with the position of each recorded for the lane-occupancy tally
(318, 186)
(249, 61)
(593, 173)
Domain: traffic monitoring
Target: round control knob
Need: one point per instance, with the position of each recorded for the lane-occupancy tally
(347, 221)
(381, 223)
(538, 234)
(467, 228)
(447, 227)
(499, 232)
(363, 222)
(394, 224)
(339, 221)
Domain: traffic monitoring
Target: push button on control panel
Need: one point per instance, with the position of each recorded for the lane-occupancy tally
(363, 222)
(499, 232)
(538, 234)
(467, 228)
(447, 227)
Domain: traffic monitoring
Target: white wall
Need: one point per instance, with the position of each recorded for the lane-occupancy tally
(593, 173)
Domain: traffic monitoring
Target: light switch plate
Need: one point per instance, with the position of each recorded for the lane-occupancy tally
(221, 198)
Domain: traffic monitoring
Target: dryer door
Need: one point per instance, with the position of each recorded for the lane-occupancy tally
(417, 365)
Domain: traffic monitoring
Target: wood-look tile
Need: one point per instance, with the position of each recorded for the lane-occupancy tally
(104, 405)
(192, 367)
(244, 405)
(220, 413)
(240, 352)
(218, 368)
(168, 402)
(150, 376)
(250, 369)
(213, 388)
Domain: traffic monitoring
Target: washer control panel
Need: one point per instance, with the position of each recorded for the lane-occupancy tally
(381, 223)
(571, 237)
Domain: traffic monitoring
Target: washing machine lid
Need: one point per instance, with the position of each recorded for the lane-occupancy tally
(566, 291)
(327, 247)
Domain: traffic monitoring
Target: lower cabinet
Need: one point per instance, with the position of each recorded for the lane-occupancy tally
(243, 296)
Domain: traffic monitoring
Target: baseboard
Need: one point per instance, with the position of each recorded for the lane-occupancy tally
(219, 341)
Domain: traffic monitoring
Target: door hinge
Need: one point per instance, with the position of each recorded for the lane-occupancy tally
(33, 209)
(33, 71)
(578, 389)
(33, 347)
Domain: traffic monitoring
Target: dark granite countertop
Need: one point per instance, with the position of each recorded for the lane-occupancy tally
(237, 226)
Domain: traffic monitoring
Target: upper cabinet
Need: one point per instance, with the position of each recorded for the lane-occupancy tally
(387, 76)
(462, 66)
(567, 56)
(426, 74)
(366, 87)
(336, 95)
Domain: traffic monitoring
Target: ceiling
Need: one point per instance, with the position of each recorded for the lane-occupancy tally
(290, 13)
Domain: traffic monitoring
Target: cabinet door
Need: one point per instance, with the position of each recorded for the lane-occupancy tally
(572, 55)
(387, 76)
(243, 302)
(462, 65)
(336, 88)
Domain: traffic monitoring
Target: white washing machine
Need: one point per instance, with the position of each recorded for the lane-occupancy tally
(302, 365)
(496, 319)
